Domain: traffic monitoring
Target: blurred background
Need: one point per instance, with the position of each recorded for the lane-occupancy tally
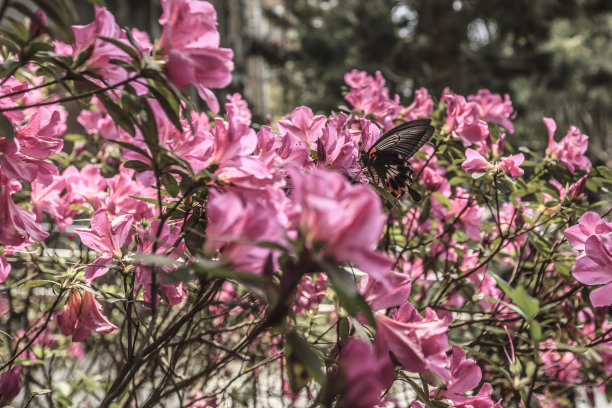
(553, 57)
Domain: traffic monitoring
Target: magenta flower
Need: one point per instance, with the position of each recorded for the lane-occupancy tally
(590, 224)
(463, 120)
(465, 375)
(345, 221)
(304, 125)
(338, 151)
(102, 52)
(417, 343)
(474, 162)
(175, 292)
(570, 150)
(236, 222)
(17, 225)
(510, 165)
(482, 400)
(421, 107)
(81, 315)
(493, 108)
(379, 296)
(594, 267)
(190, 41)
(10, 385)
(106, 237)
(365, 374)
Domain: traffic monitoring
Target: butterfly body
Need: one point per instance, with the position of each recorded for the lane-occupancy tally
(387, 160)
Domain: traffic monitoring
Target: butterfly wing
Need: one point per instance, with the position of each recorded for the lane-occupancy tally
(387, 159)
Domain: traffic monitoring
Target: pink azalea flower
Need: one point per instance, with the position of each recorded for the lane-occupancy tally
(17, 225)
(594, 267)
(493, 108)
(106, 237)
(38, 139)
(421, 107)
(175, 292)
(304, 125)
(510, 165)
(482, 400)
(53, 200)
(121, 190)
(85, 186)
(570, 150)
(190, 41)
(81, 315)
(379, 296)
(465, 375)
(417, 343)
(576, 189)
(10, 385)
(590, 224)
(463, 120)
(101, 52)
(311, 291)
(344, 220)
(365, 374)
(474, 162)
(236, 222)
(470, 214)
(338, 152)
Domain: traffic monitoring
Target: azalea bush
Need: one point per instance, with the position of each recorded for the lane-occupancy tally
(153, 254)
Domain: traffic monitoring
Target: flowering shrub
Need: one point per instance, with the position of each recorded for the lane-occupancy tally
(168, 256)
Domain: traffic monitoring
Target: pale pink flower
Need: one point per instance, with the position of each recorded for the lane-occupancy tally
(81, 315)
(571, 149)
(594, 267)
(364, 374)
(474, 162)
(102, 52)
(421, 107)
(53, 200)
(510, 165)
(122, 189)
(481, 400)
(107, 238)
(17, 225)
(590, 224)
(379, 296)
(236, 223)
(10, 385)
(562, 366)
(304, 125)
(338, 152)
(463, 120)
(344, 220)
(168, 237)
(85, 186)
(465, 375)
(417, 343)
(190, 41)
(493, 108)
(311, 291)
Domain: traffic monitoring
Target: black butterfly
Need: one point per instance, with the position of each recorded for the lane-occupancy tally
(387, 159)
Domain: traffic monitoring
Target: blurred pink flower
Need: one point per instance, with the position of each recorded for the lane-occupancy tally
(106, 237)
(421, 107)
(379, 296)
(304, 125)
(10, 385)
(465, 375)
(571, 149)
(474, 162)
(510, 165)
(236, 222)
(311, 291)
(493, 108)
(365, 374)
(463, 120)
(168, 237)
(482, 400)
(81, 315)
(417, 343)
(190, 40)
(343, 220)
(17, 225)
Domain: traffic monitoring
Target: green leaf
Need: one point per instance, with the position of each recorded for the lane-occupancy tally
(35, 283)
(119, 116)
(442, 199)
(137, 165)
(536, 330)
(344, 328)
(6, 128)
(529, 306)
(346, 291)
(132, 147)
(302, 362)
(171, 184)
